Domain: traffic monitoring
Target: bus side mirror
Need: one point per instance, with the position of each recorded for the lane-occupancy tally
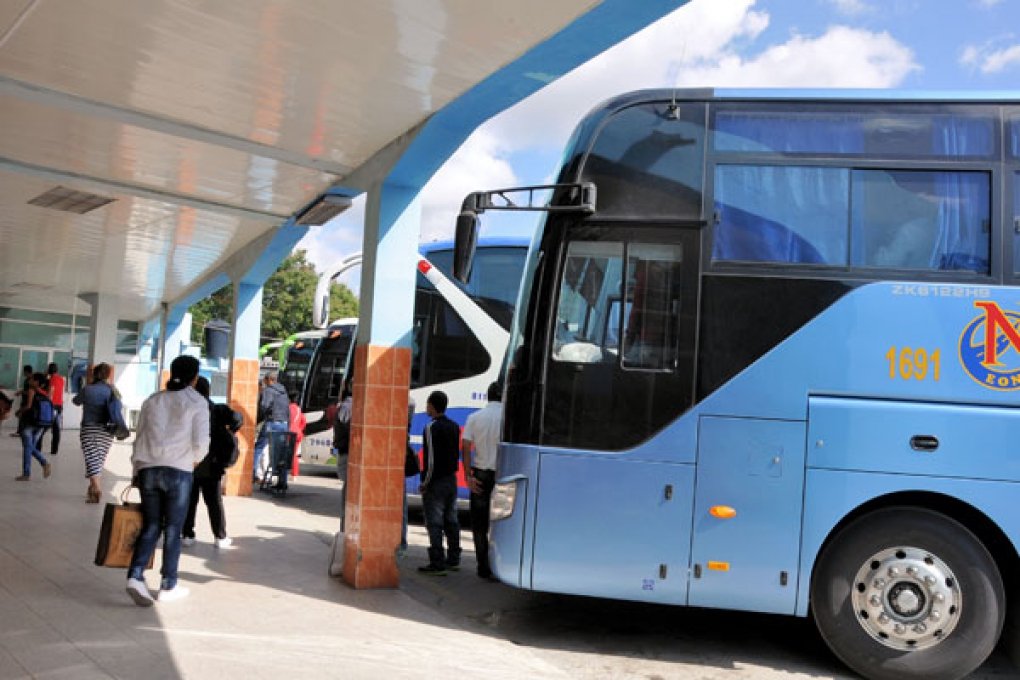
(465, 243)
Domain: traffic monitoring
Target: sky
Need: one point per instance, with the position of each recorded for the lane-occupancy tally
(914, 45)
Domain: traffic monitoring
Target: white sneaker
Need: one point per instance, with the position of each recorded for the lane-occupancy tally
(139, 592)
(187, 542)
(174, 594)
(224, 543)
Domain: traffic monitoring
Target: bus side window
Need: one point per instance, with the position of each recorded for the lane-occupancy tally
(1016, 213)
(653, 293)
(591, 283)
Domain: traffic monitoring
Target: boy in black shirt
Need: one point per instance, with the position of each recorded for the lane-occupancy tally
(440, 449)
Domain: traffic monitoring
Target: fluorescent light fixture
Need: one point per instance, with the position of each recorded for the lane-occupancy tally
(69, 200)
(323, 209)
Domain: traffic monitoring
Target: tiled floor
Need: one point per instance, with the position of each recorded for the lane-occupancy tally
(266, 609)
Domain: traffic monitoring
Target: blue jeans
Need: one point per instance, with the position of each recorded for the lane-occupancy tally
(30, 438)
(439, 501)
(165, 494)
(263, 441)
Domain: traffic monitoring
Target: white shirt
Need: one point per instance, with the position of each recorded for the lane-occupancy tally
(482, 429)
(173, 431)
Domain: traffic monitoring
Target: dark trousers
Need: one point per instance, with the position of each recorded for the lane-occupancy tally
(211, 489)
(164, 504)
(439, 501)
(480, 518)
(58, 410)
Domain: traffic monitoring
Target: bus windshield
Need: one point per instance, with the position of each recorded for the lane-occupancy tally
(329, 367)
(295, 368)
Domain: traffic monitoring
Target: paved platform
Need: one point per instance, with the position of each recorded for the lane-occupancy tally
(267, 609)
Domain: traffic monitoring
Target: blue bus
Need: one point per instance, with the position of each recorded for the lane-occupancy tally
(766, 357)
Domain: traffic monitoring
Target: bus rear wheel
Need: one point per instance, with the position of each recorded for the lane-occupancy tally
(905, 593)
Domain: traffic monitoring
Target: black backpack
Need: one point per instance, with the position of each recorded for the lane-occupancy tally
(223, 423)
(342, 437)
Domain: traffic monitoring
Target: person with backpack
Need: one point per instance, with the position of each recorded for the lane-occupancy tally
(57, 397)
(36, 417)
(100, 417)
(224, 422)
(274, 409)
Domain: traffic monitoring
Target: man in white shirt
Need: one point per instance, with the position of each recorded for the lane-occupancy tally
(172, 438)
(481, 436)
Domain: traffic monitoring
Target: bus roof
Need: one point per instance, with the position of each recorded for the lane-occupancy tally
(818, 94)
(483, 242)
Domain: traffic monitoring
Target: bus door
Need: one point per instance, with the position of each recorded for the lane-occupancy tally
(618, 369)
(747, 514)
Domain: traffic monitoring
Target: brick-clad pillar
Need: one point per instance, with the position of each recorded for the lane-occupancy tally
(243, 388)
(243, 385)
(376, 469)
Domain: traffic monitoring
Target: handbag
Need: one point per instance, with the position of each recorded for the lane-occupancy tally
(114, 418)
(122, 523)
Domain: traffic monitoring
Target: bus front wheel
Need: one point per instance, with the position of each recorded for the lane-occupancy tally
(904, 593)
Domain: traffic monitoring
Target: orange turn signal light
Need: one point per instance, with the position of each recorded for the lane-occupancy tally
(719, 566)
(722, 511)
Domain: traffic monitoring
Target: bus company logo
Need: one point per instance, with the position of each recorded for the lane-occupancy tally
(990, 347)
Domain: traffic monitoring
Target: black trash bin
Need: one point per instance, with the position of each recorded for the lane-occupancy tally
(217, 339)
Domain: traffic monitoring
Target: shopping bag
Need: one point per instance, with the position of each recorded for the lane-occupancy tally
(122, 523)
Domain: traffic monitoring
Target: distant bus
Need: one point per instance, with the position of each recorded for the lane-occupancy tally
(299, 348)
(460, 336)
(767, 358)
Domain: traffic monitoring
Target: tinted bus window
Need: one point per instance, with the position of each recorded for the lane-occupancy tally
(647, 162)
(1016, 221)
(938, 221)
(443, 347)
(495, 278)
(882, 132)
(295, 369)
(1013, 146)
(330, 369)
(787, 214)
(894, 219)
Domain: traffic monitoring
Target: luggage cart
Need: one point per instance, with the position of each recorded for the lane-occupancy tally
(281, 452)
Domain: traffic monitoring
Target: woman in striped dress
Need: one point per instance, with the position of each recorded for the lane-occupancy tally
(99, 401)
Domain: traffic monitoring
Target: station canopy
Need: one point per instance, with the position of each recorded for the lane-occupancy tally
(146, 141)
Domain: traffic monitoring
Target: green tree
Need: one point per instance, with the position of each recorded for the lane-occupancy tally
(286, 301)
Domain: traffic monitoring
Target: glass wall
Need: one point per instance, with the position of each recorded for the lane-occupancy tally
(36, 337)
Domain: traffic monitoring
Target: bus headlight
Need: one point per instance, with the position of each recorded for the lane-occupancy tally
(501, 505)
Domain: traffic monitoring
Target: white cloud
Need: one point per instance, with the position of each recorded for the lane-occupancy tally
(988, 3)
(705, 43)
(842, 57)
(989, 60)
(481, 162)
(652, 58)
(851, 7)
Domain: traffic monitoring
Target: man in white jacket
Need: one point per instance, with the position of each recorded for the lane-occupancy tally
(172, 437)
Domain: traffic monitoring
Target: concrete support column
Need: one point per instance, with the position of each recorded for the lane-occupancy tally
(243, 382)
(102, 327)
(175, 334)
(382, 372)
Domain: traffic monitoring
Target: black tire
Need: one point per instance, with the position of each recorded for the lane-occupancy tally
(904, 531)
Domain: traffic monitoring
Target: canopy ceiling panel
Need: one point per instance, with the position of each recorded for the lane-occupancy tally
(209, 124)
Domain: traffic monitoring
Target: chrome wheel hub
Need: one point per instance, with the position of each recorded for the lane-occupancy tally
(906, 598)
